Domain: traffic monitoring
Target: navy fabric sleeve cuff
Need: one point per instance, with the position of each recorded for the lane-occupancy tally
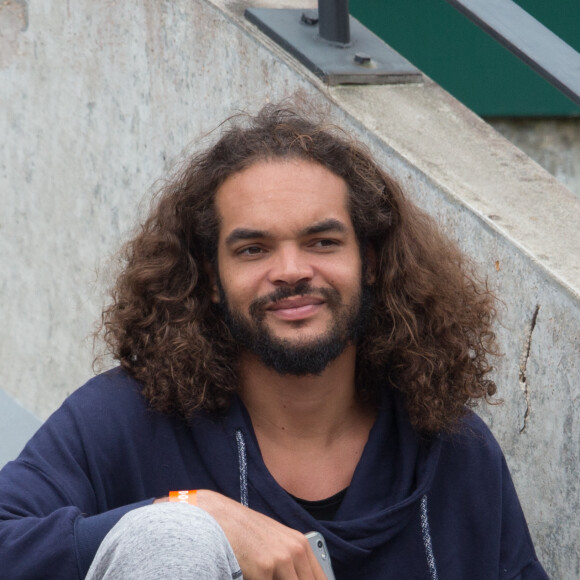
(90, 532)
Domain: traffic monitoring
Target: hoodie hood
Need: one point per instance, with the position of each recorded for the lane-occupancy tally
(391, 479)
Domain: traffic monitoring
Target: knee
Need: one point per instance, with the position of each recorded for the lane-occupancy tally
(162, 538)
(170, 525)
(168, 517)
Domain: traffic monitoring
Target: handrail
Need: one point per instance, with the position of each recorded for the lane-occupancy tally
(328, 53)
(528, 39)
(334, 21)
(334, 45)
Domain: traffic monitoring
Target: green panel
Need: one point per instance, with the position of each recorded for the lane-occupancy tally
(468, 63)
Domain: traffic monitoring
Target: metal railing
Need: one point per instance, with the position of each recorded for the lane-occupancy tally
(528, 39)
(504, 20)
(334, 21)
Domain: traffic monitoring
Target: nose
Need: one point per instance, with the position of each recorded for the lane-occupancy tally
(290, 266)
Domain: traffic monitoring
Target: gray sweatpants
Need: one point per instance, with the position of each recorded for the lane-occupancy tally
(168, 540)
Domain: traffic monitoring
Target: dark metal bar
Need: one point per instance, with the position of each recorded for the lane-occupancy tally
(528, 39)
(334, 21)
(366, 59)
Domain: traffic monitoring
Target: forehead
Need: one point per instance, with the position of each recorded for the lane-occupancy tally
(281, 196)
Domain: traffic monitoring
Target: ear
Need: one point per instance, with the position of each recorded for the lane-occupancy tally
(370, 265)
(211, 274)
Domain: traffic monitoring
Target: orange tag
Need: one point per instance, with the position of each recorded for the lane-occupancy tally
(187, 496)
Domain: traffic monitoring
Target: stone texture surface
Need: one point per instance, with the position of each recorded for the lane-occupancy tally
(101, 99)
(553, 143)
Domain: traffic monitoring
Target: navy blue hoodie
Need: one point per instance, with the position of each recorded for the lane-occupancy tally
(439, 508)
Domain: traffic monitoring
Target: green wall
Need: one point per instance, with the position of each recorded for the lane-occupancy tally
(466, 61)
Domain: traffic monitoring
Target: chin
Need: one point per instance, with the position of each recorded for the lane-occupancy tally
(297, 339)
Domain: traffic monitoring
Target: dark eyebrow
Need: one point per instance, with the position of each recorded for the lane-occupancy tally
(240, 234)
(329, 225)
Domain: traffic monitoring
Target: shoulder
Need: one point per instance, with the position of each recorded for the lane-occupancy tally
(113, 391)
(111, 402)
(96, 416)
(471, 431)
(472, 445)
(108, 416)
(471, 467)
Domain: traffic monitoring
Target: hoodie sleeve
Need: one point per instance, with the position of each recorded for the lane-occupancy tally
(517, 550)
(43, 534)
(54, 506)
(478, 526)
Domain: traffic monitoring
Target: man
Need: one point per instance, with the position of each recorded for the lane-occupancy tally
(297, 346)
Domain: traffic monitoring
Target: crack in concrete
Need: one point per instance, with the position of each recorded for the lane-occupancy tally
(524, 364)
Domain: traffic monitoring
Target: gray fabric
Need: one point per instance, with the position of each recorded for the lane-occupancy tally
(426, 533)
(243, 465)
(168, 540)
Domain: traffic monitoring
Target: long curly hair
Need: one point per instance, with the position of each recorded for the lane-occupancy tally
(430, 335)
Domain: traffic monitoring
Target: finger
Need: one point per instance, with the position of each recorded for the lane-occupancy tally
(305, 562)
(286, 570)
(286, 557)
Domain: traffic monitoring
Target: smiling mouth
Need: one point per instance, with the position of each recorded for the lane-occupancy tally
(296, 308)
(295, 302)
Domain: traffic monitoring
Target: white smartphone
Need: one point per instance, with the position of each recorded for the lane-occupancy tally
(321, 552)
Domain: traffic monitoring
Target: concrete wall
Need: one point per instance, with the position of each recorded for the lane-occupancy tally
(553, 143)
(99, 99)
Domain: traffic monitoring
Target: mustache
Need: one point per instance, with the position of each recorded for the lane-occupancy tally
(258, 307)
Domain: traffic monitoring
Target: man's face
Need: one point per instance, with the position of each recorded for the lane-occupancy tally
(289, 264)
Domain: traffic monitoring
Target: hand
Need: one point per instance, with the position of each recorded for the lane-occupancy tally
(264, 548)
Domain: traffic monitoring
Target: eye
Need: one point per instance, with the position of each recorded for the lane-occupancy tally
(250, 251)
(325, 243)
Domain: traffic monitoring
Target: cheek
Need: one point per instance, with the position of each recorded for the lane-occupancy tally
(247, 280)
(344, 276)
(239, 291)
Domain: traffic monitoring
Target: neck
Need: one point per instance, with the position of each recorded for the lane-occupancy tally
(301, 407)
(312, 429)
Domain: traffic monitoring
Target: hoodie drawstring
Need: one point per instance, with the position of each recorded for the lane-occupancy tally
(426, 532)
(243, 465)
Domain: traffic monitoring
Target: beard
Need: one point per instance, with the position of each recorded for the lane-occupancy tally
(301, 357)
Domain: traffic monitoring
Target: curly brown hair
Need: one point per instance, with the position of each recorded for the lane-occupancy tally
(430, 335)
